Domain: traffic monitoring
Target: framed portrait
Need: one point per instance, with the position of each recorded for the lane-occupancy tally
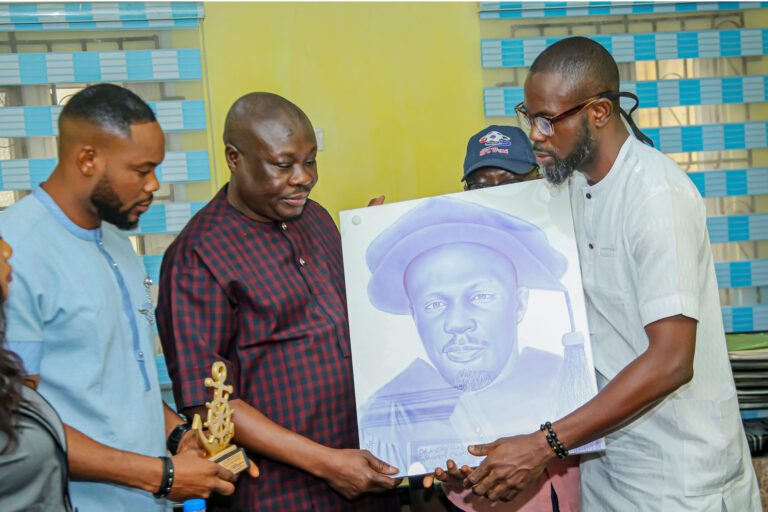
(467, 321)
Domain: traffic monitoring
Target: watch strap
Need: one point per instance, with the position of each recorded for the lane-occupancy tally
(175, 438)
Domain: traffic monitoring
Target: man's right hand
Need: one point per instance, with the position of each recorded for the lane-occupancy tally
(352, 473)
(376, 201)
(452, 475)
(197, 477)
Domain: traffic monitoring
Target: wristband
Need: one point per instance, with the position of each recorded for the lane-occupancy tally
(175, 438)
(167, 482)
(554, 442)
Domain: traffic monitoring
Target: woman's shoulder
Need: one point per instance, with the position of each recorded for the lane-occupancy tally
(36, 404)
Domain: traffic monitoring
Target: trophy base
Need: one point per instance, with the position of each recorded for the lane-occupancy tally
(233, 458)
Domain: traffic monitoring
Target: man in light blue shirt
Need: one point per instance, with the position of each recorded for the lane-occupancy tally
(80, 313)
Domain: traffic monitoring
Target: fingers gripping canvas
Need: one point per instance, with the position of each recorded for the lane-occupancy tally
(467, 321)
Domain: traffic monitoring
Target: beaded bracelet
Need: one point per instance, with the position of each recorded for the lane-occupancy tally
(167, 481)
(553, 441)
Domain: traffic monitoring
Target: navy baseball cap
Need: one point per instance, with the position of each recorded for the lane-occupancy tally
(505, 147)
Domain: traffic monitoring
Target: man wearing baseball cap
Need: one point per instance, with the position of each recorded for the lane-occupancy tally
(498, 155)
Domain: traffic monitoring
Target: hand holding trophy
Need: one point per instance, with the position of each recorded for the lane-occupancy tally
(221, 430)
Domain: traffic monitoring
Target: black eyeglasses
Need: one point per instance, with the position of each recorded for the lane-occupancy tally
(477, 185)
(546, 124)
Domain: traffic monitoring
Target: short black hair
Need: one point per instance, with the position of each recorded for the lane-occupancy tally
(588, 66)
(110, 107)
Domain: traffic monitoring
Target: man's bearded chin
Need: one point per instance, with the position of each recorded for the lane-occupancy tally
(563, 169)
(109, 207)
(472, 380)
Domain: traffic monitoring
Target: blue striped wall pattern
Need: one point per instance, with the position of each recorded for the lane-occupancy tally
(735, 182)
(738, 228)
(167, 218)
(100, 16)
(529, 10)
(184, 167)
(101, 25)
(739, 274)
(173, 116)
(98, 11)
(500, 101)
(745, 318)
(111, 66)
(497, 53)
(709, 137)
(178, 167)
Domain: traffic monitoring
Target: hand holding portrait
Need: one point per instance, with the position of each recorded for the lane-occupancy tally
(353, 473)
(511, 465)
(451, 475)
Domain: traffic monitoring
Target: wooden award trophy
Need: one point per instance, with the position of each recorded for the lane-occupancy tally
(219, 424)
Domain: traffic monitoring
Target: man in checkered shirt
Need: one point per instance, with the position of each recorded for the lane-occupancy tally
(256, 280)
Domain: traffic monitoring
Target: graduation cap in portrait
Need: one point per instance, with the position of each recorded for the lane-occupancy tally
(441, 221)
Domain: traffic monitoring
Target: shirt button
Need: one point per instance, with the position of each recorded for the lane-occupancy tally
(283, 226)
(141, 354)
(591, 246)
(101, 243)
(589, 196)
(114, 265)
(302, 262)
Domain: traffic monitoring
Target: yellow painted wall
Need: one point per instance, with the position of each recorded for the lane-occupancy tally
(395, 87)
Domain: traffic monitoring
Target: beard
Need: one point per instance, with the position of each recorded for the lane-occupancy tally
(582, 154)
(472, 380)
(110, 208)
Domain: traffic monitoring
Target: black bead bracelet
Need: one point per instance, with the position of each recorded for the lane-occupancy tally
(554, 442)
(167, 481)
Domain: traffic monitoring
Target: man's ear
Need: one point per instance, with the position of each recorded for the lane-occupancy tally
(522, 301)
(603, 112)
(87, 160)
(233, 156)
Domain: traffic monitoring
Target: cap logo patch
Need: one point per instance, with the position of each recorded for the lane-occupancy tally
(494, 138)
(492, 141)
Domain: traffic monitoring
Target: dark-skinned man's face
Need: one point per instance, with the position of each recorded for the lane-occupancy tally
(275, 169)
(572, 144)
(124, 191)
(466, 312)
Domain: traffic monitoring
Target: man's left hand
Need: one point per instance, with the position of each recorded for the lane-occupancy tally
(376, 201)
(511, 465)
(190, 441)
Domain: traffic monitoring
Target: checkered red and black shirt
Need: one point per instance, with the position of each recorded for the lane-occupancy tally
(269, 300)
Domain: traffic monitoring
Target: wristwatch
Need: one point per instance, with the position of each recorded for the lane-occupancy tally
(175, 438)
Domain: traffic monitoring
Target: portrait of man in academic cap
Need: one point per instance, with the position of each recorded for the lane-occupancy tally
(463, 272)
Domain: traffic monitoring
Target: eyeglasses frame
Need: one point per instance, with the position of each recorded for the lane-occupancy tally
(511, 181)
(530, 121)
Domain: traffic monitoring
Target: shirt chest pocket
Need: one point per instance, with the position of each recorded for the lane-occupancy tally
(611, 275)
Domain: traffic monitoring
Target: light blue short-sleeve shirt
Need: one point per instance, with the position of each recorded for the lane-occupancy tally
(79, 315)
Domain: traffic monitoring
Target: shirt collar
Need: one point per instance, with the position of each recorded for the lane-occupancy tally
(616, 168)
(89, 235)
